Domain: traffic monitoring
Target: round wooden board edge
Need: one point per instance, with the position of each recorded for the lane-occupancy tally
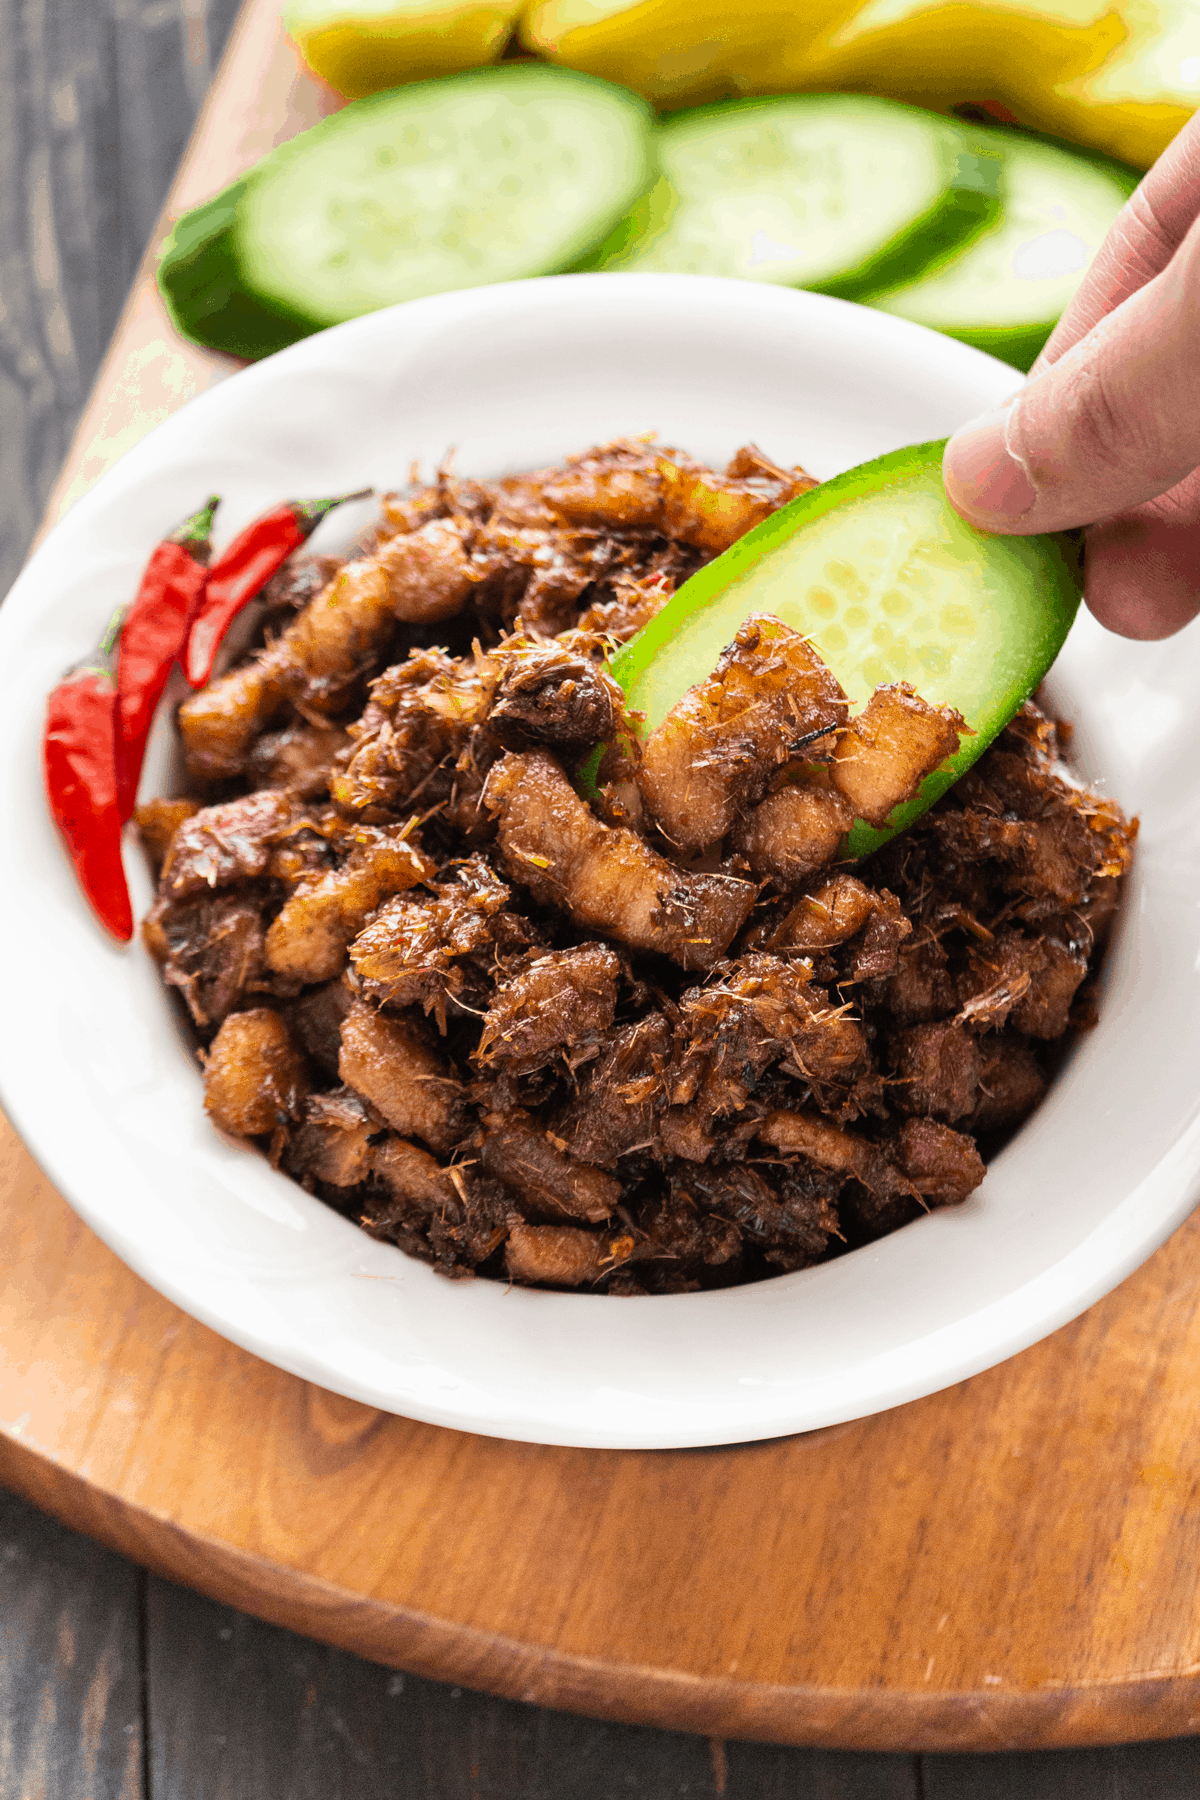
(910, 1720)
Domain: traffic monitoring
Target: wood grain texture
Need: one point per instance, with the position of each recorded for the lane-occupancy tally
(238, 1708)
(1011, 1563)
(70, 1681)
(99, 99)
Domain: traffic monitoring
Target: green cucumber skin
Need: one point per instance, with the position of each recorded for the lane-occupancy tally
(1062, 553)
(1019, 345)
(649, 213)
(964, 214)
(214, 301)
(201, 283)
(967, 208)
(968, 205)
(1022, 347)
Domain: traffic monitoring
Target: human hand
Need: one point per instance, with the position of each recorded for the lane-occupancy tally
(1106, 432)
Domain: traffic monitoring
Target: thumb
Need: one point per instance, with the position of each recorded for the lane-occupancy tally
(1113, 422)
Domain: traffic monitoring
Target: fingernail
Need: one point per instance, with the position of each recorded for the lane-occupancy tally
(983, 478)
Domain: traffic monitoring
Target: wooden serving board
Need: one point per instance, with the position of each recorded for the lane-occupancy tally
(1013, 1563)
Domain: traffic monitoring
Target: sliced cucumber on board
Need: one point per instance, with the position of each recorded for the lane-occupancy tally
(484, 177)
(200, 280)
(879, 571)
(1005, 291)
(838, 192)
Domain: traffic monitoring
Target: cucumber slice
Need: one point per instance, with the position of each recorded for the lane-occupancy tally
(1004, 293)
(200, 280)
(839, 192)
(484, 177)
(890, 584)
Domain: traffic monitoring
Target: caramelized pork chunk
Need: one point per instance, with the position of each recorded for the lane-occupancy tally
(1030, 982)
(414, 734)
(831, 914)
(308, 939)
(943, 1165)
(549, 694)
(333, 1141)
(683, 1236)
(715, 752)
(792, 1225)
(836, 910)
(300, 579)
(616, 487)
(795, 831)
(1021, 810)
(760, 1012)
(1011, 1084)
(635, 602)
(418, 1187)
(301, 760)
(419, 577)
(889, 749)
(224, 845)
(389, 1063)
(836, 1151)
(559, 1006)
(219, 725)
(840, 911)
(563, 1255)
(607, 879)
(936, 1069)
(921, 988)
(632, 486)
(444, 948)
(255, 1077)
(713, 511)
(440, 1215)
(212, 948)
(525, 1157)
(336, 641)
(315, 1018)
(158, 821)
(616, 1110)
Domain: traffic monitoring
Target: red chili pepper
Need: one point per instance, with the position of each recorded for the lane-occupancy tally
(243, 570)
(152, 639)
(79, 764)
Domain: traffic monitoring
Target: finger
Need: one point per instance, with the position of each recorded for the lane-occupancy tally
(1141, 242)
(1114, 422)
(1142, 569)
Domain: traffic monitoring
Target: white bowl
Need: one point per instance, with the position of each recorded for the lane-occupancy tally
(97, 1079)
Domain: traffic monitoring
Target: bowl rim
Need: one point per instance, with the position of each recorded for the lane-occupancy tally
(955, 1349)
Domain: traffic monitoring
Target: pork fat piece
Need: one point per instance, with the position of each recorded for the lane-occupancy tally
(607, 879)
(714, 754)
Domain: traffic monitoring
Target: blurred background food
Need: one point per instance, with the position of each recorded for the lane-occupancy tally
(483, 177)
(362, 46)
(1119, 76)
(955, 162)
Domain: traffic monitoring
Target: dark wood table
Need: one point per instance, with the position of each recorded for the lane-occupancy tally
(114, 1684)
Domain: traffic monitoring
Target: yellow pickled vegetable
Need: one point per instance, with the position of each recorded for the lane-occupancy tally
(1133, 103)
(682, 52)
(360, 46)
(1121, 76)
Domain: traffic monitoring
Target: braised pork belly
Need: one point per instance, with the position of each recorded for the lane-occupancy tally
(635, 1027)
